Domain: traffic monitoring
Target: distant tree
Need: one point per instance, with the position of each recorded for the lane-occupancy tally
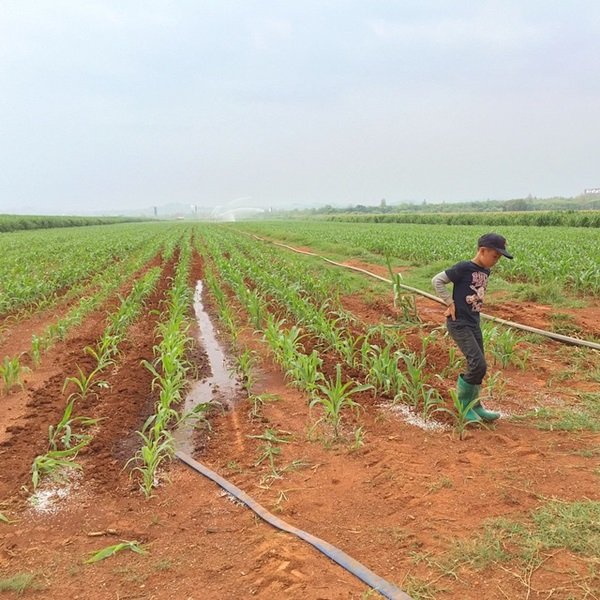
(516, 205)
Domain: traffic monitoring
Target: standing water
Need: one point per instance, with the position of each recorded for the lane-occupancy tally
(220, 387)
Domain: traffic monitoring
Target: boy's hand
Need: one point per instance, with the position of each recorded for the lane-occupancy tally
(451, 312)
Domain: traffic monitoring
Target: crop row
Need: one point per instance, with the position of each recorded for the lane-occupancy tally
(37, 266)
(565, 256)
(273, 291)
(71, 433)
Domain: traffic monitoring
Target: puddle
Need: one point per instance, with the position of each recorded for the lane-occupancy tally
(219, 387)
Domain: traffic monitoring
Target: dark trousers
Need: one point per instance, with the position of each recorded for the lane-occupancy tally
(470, 341)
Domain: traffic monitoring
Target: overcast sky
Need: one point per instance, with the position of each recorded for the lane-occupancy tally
(127, 104)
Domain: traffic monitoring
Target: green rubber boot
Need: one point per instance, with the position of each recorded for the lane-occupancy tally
(467, 392)
(482, 412)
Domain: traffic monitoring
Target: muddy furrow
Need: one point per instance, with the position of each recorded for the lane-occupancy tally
(42, 402)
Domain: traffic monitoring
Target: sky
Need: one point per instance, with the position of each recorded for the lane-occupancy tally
(111, 105)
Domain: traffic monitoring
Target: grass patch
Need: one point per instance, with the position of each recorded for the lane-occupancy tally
(19, 583)
(418, 589)
(588, 452)
(545, 293)
(564, 324)
(573, 526)
(585, 417)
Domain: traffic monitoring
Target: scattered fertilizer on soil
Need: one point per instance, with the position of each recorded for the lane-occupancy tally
(410, 417)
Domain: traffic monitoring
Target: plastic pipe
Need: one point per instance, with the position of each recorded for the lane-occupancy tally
(351, 565)
(565, 339)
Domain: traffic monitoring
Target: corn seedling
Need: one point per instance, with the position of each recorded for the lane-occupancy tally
(158, 446)
(83, 383)
(431, 401)
(269, 451)
(454, 361)
(244, 365)
(37, 346)
(403, 300)
(304, 371)
(11, 371)
(495, 385)
(258, 401)
(5, 519)
(381, 366)
(63, 431)
(503, 346)
(460, 412)
(254, 307)
(334, 397)
(414, 385)
(54, 462)
(101, 354)
(358, 438)
(133, 546)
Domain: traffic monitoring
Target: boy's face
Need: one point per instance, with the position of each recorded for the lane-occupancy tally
(488, 257)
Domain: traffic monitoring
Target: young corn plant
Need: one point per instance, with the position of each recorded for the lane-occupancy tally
(245, 364)
(37, 347)
(334, 397)
(254, 306)
(62, 433)
(258, 402)
(11, 371)
(133, 546)
(169, 371)
(381, 366)
(403, 300)
(414, 385)
(305, 373)
(455, 361)
(54, 463)
(431, 402)
(495, 385)
(158, 447)
(83, 383)
(269, 451)
(460, 414)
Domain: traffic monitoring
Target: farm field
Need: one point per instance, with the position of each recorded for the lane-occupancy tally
(333, 410)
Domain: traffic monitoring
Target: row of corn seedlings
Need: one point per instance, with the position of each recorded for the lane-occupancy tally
(71, 433)
(566, 257)
(12, 368)
(302, 369)
(169, 370)
(37, 266)
(388, 365)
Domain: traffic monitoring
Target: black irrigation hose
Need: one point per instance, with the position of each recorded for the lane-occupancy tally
(385, 588)
(565, 339)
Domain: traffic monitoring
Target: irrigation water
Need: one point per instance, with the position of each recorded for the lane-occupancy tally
(220, 387)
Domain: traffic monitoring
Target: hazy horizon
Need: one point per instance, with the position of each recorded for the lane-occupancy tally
(119, 106)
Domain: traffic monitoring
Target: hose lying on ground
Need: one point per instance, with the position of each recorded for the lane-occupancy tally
(565, 339)
(341, 558)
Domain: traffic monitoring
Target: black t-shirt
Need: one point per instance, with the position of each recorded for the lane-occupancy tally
(470, 282)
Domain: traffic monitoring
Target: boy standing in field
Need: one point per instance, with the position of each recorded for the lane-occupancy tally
(470, 278)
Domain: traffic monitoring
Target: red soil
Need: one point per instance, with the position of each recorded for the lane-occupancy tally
(405, 491)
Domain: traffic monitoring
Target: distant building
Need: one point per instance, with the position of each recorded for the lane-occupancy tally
(591, 191)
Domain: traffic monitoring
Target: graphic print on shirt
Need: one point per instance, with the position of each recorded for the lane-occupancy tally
(478, 285)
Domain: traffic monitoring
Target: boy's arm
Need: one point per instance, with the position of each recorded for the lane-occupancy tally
(439, 282)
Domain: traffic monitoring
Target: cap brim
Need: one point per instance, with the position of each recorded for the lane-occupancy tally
(504, 253)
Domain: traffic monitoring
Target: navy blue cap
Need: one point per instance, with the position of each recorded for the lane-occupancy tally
(495, 242)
